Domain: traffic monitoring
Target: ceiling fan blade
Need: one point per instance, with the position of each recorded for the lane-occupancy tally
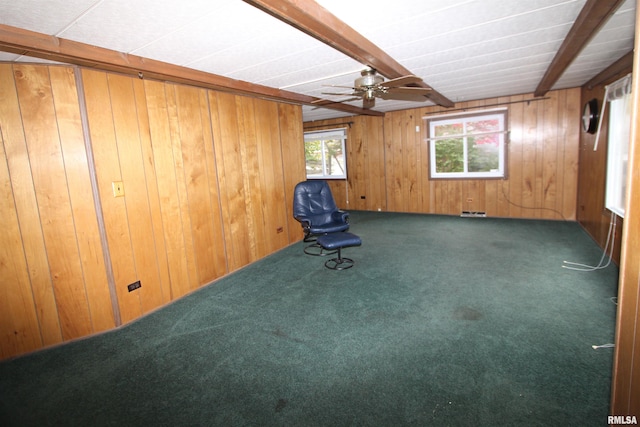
(323, 102)
(402, 97)
(401, 81)
(339, 94)
(416, 97)
(346, 87)
(410, 90)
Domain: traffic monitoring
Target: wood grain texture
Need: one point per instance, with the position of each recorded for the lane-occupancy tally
(275, 219)
(153, 196)
(100, 97)
(19, 331)
(26, 207)
(293, 162)
(172, 236)
(65, 97)
(234, 192)
(542, 162)
(252, 156)
(208, 180)
(54, 205)
(125, 111)
(202, 212)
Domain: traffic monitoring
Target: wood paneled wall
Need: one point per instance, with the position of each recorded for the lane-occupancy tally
(207, 177)
(592, 215)
(391, 159)
(53, 278)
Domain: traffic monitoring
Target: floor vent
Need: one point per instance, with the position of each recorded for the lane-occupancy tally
(470, 214)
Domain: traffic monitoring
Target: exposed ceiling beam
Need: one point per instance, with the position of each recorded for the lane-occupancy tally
(592, 16)
(38, 45)
(624, 64)
(316, 21)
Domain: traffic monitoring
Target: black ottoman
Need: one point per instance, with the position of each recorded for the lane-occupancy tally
(337, 241)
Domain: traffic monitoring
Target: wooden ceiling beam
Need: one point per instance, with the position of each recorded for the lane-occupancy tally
(38, 45)
(592, 17)
(316, 21)
(624, 64)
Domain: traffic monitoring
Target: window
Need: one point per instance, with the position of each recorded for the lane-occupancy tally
(618, 94)
(467, 146)
(325, 154)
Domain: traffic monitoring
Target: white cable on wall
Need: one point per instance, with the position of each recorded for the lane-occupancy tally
(611, 237)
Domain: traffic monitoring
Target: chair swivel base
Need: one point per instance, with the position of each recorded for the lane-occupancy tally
(340, 263)
(337, 241)
(316, 250)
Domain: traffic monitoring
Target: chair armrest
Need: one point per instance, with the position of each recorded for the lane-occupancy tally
(305, 221)
(340, 216)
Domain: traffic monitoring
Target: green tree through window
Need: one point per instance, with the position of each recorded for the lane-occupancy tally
(467, 146)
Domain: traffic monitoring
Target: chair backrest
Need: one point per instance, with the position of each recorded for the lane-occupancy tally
(313, 199)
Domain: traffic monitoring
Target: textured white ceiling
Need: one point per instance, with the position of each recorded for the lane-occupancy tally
(465, 49)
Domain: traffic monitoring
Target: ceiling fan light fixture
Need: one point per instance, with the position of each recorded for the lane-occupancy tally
(368, 79)
(370, 93)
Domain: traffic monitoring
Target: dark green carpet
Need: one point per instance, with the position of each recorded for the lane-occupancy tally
(442, 321)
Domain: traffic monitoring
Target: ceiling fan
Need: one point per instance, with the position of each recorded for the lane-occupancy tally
(370, 86)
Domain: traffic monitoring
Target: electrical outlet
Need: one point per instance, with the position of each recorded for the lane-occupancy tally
(118, 188)
(134, 286)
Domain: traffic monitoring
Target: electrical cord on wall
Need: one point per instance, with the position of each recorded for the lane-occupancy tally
(611, 237)
(557, 212)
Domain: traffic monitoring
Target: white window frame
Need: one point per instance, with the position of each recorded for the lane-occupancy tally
(432, 122)
(324, 136)
(618, 95)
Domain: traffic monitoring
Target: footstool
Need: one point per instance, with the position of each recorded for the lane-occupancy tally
(337, 241)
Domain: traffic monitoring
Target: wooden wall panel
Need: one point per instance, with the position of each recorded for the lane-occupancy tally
(542, 162)
(185, 225)
(32, 239)
(255, 153)
(200, 182)
(272, 184)
(372, 131)
(55, 278)
(208, 179)
(19, 331)
(292, 147)
(104, 140)
(52, 194)
(367, 182)
(511, 189)
(153, 196)
(138, 216)
(65, 96)
(251, 176)
(234, 196)
(166, 182)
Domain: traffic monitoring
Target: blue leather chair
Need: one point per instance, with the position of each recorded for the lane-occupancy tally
(316, 210)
